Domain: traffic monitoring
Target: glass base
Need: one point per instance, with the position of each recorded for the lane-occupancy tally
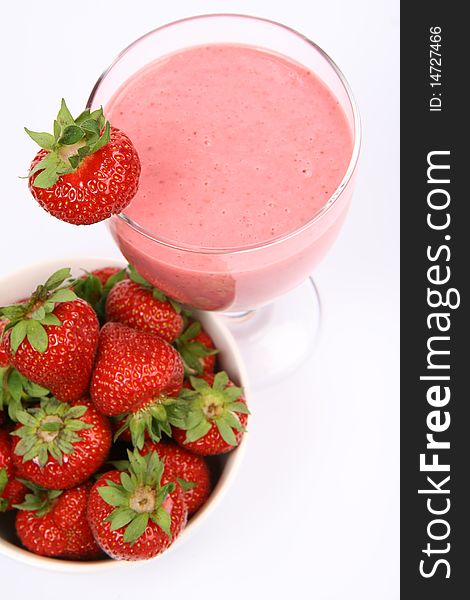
(276, 339)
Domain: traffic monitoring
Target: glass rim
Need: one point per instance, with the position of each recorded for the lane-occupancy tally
(319, 213)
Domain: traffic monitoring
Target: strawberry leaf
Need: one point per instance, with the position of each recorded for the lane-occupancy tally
(75, 412)
(37, 336)
(137, 278)
(120, 465)
(51, 319)
(64, 116)
(3, 479)
(136, 528)
(72, 134)
(200, 385)
(197, 432)
(226, 432)
(111, 282)
(40, 501)
(47, 162)
(57, 278)
(220, 381)
(158, 295)
(239, 407)
(24, 446)
(102, 141)
(17, 335)
(12, 313)
(90, 125)
(126, 482)
(49, 176)
(191, 332)
(33, 390)
(15, 383)
(120, 517)
(186, 485)
(63, 295)
(162, 519)
(39, 313)
(25, 418)
(232, 420)
(112, 495)
(45, 140)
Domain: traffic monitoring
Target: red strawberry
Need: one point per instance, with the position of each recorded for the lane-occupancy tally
(216, 416)
(54, 523)
(4, 360)
(60, 445)
(85, 172)
(52, 338)
(189, 470)
(132, 367)
(138, 513)
(197, 350)
(136, 373)
(12, 491)
(136, 303)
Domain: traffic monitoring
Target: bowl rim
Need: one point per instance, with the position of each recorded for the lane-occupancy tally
(12, 551)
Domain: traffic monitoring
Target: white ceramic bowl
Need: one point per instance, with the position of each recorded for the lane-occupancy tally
(18, 285)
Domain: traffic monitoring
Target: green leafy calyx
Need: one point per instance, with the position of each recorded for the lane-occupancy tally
(139, 497)
(40, 500)
(72, 141)
(217, 405)
(153, 420)
(28, 319)
(3, 485)
(15, 389)
(186, 485)
(50, 429)
(192, 351)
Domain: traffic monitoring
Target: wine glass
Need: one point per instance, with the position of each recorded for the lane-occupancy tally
(263, 288)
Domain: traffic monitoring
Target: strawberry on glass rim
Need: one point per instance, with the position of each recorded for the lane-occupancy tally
(86, 171)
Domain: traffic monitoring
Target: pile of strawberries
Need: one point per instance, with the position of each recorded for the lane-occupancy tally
(109, 403)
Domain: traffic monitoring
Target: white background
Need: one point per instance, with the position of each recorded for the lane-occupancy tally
(314, 511)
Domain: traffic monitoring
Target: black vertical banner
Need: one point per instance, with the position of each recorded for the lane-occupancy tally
(435, 331)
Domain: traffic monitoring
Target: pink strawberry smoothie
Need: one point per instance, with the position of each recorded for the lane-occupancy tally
(238, 146)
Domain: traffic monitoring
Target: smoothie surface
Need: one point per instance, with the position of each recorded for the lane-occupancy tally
(237, 145)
